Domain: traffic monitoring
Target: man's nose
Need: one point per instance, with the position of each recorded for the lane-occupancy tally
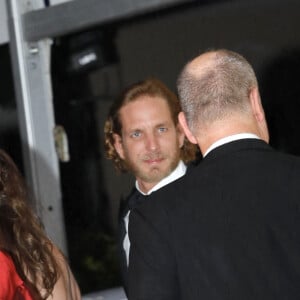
(152, 142)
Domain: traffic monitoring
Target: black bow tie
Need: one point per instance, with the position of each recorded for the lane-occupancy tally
(135, 199)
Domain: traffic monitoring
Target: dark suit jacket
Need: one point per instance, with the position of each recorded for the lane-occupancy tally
(134, 199)
(124, 209)
(229, 229)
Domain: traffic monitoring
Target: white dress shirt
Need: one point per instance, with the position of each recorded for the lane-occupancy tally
(230, 138)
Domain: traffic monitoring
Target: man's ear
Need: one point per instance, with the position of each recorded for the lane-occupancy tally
(186, 130)
(118, 145)
(180, 134)
(259, 114)
(257, 108)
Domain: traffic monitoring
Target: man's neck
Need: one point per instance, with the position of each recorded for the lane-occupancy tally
(229, 139)
(224, 129)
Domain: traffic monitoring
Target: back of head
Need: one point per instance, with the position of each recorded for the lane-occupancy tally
(214, 86)
(149, 87)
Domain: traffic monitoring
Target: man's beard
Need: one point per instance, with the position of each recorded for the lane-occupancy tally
(155, 173)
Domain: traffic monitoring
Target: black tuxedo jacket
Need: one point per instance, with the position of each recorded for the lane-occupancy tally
(133, 199)
(229, 229)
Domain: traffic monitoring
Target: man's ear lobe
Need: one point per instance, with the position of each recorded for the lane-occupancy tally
(118, 145)
(185, 128)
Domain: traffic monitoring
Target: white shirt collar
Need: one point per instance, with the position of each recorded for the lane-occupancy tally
(230, 138)
(177, 173)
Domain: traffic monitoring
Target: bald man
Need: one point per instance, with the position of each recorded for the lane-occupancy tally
(230, 229)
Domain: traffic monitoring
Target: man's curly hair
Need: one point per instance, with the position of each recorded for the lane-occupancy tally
(151, 87)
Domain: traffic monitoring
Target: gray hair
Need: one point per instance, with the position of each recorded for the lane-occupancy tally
(220, 88)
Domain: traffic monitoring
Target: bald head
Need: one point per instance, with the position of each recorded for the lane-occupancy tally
(215, 88)
(201, 63)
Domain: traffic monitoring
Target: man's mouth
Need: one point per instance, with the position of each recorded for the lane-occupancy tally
(154, 160)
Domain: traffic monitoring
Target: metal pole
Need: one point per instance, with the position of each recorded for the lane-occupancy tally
(31, 69)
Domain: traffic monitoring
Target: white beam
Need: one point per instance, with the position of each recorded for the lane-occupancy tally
(3, 23)
(31, 69)
(77, 15)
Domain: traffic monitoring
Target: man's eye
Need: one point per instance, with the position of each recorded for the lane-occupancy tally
(162, 129)
(135, 134)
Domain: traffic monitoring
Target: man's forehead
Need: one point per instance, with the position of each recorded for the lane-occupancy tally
(144, 102)
(144, 110)
(147, 97)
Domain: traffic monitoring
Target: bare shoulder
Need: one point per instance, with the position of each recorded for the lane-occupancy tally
(66, 288)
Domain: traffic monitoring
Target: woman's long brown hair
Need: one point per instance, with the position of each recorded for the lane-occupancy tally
(21, 233)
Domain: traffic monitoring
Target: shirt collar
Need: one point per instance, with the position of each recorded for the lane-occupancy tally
(175, 174)
(230, 138)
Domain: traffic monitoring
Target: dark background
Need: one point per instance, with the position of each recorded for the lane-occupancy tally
(156, 44)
